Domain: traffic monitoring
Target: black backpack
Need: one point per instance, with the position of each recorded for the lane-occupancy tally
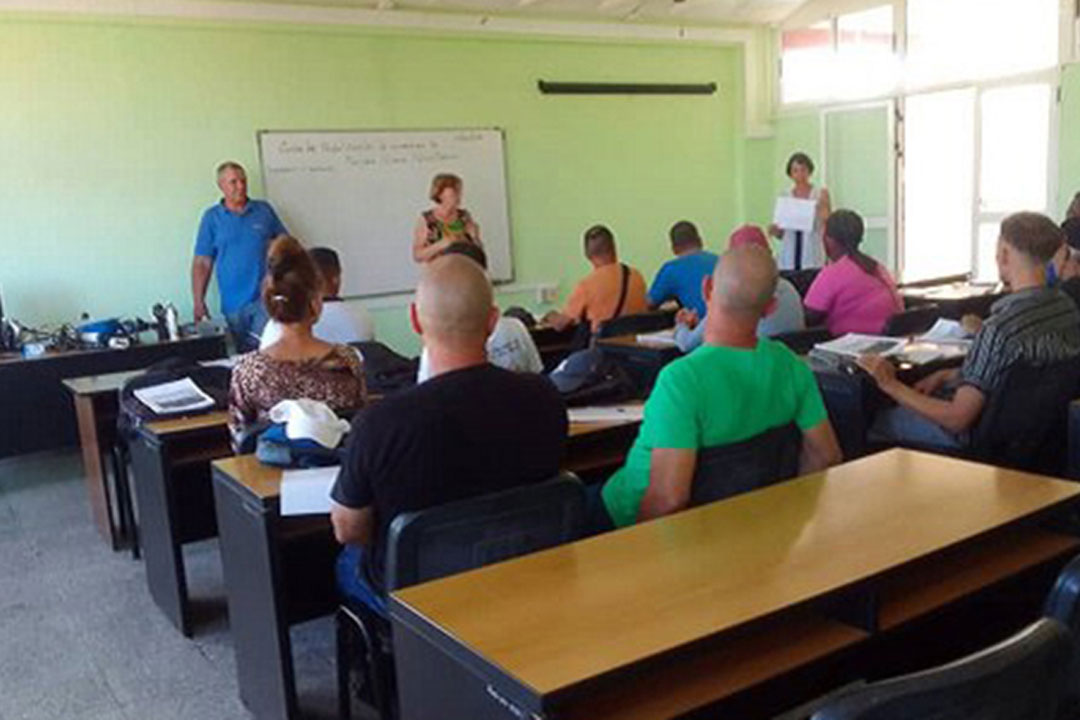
(589, 377)
(214, 381)
(385, 371)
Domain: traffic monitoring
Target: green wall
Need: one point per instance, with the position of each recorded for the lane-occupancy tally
(110, 131)
(1069, 138)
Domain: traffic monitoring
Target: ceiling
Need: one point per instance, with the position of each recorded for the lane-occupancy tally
(681, 11)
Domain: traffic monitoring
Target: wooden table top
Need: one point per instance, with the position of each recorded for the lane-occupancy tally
(264, 481)
(570, 614)
(205, 421)
(100, 384)
(956, 291)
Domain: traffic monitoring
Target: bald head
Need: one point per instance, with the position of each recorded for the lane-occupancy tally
(744, 283)
(455, 305)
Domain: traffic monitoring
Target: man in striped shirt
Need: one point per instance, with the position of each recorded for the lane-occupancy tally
(1034, 324)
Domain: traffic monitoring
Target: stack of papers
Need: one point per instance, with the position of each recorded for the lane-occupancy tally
(945, 331)
(181, 396)
(854, 345)
(631, 412)
(307, 492)
(664, 337)
(920, 351)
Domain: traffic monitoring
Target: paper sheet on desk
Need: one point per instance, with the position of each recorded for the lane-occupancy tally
(945, 331)
(795, 213)
(307, 492)
(663, 337)
(181, 396)
(607, 413)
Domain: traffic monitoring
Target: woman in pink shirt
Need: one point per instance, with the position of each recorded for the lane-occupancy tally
(853, 293)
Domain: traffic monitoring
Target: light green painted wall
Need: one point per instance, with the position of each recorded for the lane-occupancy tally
(1069, 138)
(110, 131)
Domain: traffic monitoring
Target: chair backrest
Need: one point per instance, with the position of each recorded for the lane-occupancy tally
(634, 324)
(728, 470)
(915, 321)
(1025, 421)
(801, 342)
(801, 279)
(1063, 605)
(469, 534)
(1018, 679)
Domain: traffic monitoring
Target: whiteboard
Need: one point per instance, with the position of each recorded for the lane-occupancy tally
(361, 193)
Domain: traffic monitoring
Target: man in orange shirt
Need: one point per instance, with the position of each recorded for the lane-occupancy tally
(611, 290)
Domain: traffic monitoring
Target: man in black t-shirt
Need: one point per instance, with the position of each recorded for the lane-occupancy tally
(472, 429)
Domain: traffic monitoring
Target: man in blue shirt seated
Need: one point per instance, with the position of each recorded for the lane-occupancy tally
(680, 279)
(233, 237)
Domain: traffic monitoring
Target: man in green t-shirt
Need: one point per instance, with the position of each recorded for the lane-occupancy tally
(732, 388)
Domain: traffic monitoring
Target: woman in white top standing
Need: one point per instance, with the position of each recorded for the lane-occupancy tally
(799, 250)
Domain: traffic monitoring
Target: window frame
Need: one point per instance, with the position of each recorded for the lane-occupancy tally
(1069, 50)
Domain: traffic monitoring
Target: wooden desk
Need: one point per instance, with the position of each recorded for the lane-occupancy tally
(956, 299)
(37, 411)
(170, 461)
(97, 406)
(562, 630)
(280, 570)
(643, 361)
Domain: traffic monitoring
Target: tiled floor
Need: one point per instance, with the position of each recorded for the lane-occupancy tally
(80, 636)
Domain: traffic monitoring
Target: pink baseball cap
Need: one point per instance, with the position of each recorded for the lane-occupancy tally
(748, 235)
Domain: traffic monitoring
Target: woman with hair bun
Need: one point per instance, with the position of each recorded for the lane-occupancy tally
(298, 365)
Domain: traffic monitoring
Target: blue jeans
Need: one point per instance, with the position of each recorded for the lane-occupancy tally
(597, 519)
(903, 426)
(246, 325)
(355, 584)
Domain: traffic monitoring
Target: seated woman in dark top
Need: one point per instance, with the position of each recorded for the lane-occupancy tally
(298, 365)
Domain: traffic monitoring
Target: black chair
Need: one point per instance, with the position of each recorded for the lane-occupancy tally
(1024, 424)
(801, 279)
(1072, 443)
(801, 342)
(912, 322)
(636, 324)
(1018, 679)
(766, 459)
(442, 541)
(1063, 605)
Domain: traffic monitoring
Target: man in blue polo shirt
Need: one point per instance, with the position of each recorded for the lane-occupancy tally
(234, 236)
(680, 279)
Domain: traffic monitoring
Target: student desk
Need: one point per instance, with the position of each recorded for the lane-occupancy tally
(170, 461)
(280, 570)
(956, 300)
(677, 615)
(97, 406)
(642, 360)
(37, 411)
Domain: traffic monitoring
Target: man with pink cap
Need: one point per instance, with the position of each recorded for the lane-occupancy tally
(787, 317)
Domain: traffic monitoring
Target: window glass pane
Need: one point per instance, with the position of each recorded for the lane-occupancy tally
(866, 63)
(1015, 143)
(951, 40)
(986, 252)
(807, 63)
(938, 184)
